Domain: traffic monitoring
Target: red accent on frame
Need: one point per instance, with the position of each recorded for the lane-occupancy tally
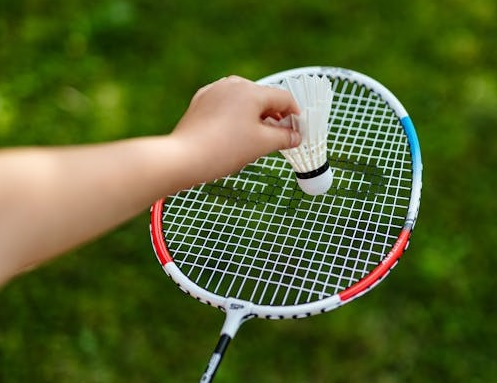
(381, 270)
(156, 233)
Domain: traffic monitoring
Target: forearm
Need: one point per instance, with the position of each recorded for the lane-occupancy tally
(53, 199)
(58, 198)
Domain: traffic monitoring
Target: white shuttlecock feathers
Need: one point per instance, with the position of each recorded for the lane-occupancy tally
(309, 160)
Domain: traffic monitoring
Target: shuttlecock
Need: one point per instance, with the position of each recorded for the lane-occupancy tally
(309, 160)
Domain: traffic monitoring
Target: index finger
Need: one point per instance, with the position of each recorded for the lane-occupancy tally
(276, 103)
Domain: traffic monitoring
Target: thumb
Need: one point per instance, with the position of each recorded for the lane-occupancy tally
(278, 135)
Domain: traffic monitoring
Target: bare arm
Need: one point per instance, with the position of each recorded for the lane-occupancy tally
(53, 199)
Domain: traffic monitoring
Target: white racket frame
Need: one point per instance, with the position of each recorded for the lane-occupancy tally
(237, 311)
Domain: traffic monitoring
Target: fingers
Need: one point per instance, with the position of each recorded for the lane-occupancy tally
(279, 138)
(236, 101)
(279, 135)
(273, 102)
(277, 103)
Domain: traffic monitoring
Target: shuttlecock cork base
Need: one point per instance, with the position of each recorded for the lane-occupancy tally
(309, 160)
(316, 182)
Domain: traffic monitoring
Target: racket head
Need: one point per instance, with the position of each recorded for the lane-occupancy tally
(255, 237)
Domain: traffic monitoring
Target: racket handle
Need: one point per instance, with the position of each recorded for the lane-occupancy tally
(216, 357)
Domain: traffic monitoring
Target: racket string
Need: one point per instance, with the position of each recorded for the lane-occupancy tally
(256, 236)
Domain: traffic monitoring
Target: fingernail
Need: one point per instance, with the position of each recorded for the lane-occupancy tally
(295, 138)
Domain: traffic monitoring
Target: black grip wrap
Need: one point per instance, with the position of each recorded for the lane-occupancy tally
(222, 345)
(215, 360)
(313, 173)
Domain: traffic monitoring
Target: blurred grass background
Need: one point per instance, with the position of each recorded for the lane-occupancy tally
(86, 71)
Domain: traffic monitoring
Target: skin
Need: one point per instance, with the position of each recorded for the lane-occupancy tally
(106, 184)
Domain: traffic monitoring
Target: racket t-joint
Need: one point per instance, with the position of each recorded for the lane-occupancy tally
(237, 312)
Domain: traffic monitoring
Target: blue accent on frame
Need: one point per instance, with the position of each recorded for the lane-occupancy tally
(413, 140)
(417, 168)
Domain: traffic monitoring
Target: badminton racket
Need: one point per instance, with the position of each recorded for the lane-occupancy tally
(254, 245)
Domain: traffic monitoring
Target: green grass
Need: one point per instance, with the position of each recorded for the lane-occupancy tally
(87, 71)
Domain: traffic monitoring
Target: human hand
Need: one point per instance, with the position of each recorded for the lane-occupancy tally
(221, 132)
(224, 129)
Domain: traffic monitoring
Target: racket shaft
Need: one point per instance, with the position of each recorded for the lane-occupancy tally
(216, 357)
